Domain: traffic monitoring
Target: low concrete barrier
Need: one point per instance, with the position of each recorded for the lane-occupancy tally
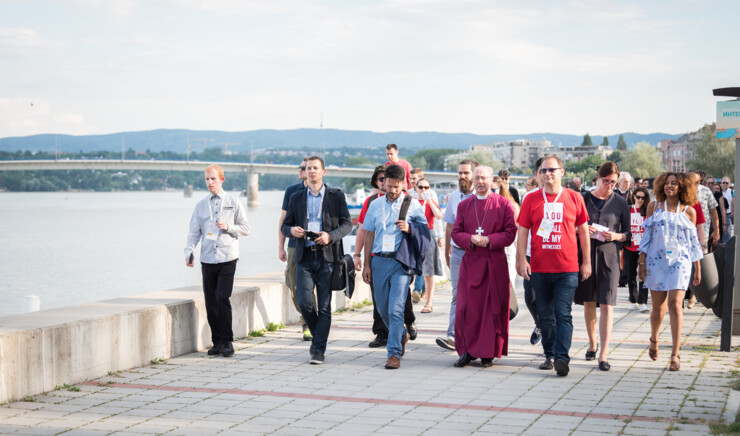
(42, 350)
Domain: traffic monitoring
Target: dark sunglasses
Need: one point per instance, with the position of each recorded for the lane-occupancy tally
(302, 168)
(380, 179)
(548, 170)
(422, 187)
(639, 197)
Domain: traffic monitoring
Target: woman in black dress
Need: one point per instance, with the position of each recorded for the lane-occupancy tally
(610, 211)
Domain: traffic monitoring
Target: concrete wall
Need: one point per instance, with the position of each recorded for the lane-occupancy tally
(42, 350)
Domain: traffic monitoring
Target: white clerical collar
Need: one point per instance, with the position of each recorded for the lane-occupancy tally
(482, 197)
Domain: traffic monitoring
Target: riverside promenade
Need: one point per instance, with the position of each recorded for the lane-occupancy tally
(268, 388)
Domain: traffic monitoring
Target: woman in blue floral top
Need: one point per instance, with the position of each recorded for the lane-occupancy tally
(668, 248)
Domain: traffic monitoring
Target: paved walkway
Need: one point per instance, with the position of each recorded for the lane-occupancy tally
(267, 387)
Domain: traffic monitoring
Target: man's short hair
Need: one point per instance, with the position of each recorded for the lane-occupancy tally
(391, 146)
(608, 168)
(395, 172)
(418, 171)
(473, 164)
(552, 157)
(316, 158)
(504, 173)
(538, 164)
(624, 175)
(218, 168)
(484, 167)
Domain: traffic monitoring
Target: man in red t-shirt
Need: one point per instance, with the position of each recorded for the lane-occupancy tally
(553, 215)
(391, 150)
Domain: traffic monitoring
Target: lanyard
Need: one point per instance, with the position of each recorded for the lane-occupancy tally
(400, 197)
(675, 222)
(320, 198)
(210, 207)
(544, 197)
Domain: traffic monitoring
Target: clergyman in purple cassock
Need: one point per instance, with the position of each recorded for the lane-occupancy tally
(482, 313)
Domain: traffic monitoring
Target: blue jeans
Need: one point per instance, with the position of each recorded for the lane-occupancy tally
(554, 295)
(531, 301)
(391, 286)
(419, 284)
(455, 261)
(726, 235)
(314, 270)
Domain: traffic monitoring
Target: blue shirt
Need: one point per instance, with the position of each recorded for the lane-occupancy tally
(313, 212)
(374, 219)
(453, 200)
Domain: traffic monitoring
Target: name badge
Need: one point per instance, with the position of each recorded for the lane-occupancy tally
(313, 226)
(389, 243)
(553, 213)
(636, 238)
(672, 252)
(212, 232)
(546, 227)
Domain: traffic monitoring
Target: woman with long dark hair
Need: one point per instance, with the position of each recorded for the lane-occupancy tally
(638, 211)
(608, 224)
(668, 248)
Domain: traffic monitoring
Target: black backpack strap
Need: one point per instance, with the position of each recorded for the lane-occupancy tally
(404, 207)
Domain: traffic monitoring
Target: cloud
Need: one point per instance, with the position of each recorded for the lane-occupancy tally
(31, 115)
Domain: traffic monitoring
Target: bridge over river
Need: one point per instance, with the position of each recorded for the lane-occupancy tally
(253, 169)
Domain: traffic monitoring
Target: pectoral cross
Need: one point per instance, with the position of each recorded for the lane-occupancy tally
(479, 230)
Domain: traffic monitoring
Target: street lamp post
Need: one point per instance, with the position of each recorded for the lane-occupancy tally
(728, 126)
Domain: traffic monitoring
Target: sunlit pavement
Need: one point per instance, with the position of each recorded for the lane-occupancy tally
(268, 386)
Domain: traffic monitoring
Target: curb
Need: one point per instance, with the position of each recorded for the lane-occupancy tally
(732, 407)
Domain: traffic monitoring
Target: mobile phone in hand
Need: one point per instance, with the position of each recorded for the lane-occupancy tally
(311, 235)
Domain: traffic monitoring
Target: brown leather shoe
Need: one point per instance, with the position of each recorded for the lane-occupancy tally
(403, 344)
(393, 363)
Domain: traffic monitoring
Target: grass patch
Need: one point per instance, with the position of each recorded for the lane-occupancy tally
(115, 374)
(28, 399)
(724, 429)
(272, 327)
(355, 306)
(157, 361)
(256, 333)
(67, 387)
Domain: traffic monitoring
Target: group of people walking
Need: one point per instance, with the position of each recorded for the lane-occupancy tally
(569, 245)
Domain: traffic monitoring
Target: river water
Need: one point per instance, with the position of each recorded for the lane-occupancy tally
(71, 248)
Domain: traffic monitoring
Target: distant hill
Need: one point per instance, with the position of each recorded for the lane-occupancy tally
(177, 140)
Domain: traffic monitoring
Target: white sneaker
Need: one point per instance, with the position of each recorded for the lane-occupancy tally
(644, 309)
(636, 306)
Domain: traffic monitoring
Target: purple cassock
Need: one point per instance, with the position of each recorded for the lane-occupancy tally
(482, 313)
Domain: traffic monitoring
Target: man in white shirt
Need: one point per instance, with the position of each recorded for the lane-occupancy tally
(217, 222)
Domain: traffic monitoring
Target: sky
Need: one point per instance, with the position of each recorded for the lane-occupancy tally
(486, 67)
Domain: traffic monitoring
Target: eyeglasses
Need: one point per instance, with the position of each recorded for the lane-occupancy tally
(725, 183)
(381, 178)
(422, 187)
(302, 168)
(548, 170)
(639, 197)
(608, 182)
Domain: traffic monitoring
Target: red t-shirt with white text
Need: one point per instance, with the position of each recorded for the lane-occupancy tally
(559, 252)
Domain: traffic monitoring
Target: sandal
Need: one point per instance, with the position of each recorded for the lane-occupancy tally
(675, 363)
(427, 309)
(653, 353)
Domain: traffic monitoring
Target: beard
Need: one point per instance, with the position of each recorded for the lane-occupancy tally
(465, 185)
